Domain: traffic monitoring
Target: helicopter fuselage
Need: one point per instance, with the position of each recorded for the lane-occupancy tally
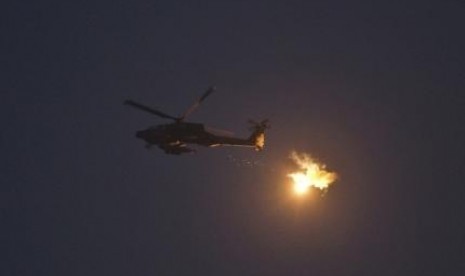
(187, 133)
(175, 133)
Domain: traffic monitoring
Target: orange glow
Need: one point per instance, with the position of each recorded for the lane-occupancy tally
(311, 174)
(260, 142)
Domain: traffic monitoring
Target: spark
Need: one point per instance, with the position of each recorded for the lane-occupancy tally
(311, 174)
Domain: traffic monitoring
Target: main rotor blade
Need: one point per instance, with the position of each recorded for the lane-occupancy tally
(196, 104)
(149, 110)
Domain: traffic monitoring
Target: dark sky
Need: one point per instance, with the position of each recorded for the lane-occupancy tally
(374, 89)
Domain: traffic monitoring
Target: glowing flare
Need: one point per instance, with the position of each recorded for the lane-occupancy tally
(311, 174)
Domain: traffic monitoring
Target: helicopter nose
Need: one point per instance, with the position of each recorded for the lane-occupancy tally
(140, 134)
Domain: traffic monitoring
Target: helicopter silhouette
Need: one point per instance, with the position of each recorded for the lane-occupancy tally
(174, 137)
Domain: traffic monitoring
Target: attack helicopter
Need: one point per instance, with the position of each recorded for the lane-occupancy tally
(174, 137)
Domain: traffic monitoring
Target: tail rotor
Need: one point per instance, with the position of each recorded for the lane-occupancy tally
(263, 125)
(258, 135)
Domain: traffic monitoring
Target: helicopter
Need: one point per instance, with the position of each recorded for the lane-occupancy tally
(174, 137)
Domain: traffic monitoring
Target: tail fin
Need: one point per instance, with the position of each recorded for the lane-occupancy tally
(258, 135)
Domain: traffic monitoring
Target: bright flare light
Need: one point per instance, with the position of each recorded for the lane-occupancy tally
(311, 174)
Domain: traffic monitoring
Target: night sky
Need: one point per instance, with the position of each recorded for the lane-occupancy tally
(374, 89)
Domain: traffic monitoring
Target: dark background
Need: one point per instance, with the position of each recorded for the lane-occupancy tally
(374, 89)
